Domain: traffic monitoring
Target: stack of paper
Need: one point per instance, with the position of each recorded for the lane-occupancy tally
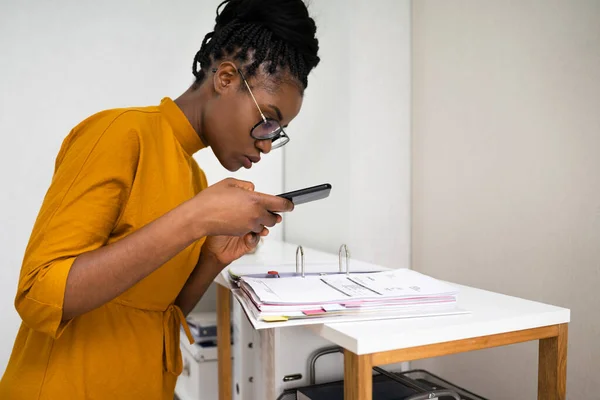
(402, 291)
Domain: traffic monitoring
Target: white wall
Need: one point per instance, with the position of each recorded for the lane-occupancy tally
(354, 133)
(506, 186)
(63, 60)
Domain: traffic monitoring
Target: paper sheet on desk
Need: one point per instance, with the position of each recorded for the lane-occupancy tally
(398, 282)
(398, 293)
(272, 320)
(393, 285)
(310, 289)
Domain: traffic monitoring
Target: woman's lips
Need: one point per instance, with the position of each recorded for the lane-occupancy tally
(246, 162)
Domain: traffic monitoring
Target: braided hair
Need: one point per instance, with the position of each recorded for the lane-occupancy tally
(276, 35)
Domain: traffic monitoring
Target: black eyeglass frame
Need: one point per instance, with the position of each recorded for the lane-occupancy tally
(278, 137)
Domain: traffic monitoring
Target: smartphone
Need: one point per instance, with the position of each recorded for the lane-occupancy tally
(309, 194)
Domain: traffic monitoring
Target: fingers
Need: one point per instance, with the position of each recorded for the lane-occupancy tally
(241, 184)
(274, 203)
(260, 230)
(251, 240)
(269, 219)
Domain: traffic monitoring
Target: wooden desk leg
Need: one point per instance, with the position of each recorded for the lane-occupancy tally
(224, 342)
(552, 369)
(358, 376)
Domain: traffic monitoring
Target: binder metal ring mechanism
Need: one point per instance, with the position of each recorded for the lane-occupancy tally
(345, 254)
(343, 261)
(300, 251)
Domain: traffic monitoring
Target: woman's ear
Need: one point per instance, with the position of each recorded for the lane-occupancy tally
(226, 77)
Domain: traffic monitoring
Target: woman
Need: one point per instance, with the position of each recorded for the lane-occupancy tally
(129, 237)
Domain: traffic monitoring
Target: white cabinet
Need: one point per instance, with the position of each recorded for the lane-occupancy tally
(199, 378)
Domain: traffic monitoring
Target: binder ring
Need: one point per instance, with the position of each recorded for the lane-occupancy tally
(347, 257)
(300, 251)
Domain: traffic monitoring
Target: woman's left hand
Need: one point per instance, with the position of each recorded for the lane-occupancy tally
(226, 249)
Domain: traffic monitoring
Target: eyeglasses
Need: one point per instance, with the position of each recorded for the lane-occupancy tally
(267, 128)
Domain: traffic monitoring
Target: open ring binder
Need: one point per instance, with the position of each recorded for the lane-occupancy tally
(329, 289)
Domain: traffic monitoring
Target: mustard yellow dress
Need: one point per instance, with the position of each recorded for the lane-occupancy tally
(116, 171)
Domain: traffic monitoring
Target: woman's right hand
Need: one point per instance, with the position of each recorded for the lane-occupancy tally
(231, 207)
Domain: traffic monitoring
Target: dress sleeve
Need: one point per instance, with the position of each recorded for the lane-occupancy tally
(94, 172)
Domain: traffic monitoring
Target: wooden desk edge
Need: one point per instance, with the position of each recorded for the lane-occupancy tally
(552, 366)
(464, 345)
(225, 371)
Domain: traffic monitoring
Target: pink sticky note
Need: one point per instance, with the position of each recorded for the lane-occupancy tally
(313, 312)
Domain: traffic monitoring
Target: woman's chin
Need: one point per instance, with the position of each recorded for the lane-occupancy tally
(232, 165)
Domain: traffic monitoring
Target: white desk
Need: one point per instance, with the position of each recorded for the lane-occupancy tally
(492, 314)
(496, 320)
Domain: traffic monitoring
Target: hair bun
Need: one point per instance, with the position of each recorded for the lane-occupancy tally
(280, 32)
(287, 19)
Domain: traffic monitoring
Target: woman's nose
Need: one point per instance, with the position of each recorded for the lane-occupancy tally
(264, 146)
